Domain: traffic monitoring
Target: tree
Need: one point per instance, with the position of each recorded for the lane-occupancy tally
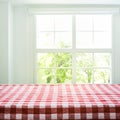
(57, 67)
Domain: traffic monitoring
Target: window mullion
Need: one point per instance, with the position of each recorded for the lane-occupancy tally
(55, 81)
(54, 34)
(35, 68)
(73, 47)
(93, 69)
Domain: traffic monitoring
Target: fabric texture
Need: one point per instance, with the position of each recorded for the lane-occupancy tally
(60, 102)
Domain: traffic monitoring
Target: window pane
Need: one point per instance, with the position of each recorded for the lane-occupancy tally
(102, 60)
(63, 60)
(84, 23)
(45, 40)
(84, 76)
(45, 60)
(102, 76)
(102, 22)
(84, 39)
(63, 22)
(63, 75)
(45, 76)
(102, 40)
(84, 60)
(44, 23)
(63, 39)
(92, 31)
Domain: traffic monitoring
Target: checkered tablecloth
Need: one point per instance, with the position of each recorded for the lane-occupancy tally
(52, 102)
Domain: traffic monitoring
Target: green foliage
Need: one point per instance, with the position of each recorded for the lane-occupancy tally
(57, 68)
(63, 75)
(61, 61)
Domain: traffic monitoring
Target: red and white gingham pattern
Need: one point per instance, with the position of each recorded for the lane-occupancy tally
(77, 101)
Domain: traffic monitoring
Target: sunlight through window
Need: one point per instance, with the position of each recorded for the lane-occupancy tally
(73, 48)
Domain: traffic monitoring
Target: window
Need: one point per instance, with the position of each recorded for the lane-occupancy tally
(73, 48)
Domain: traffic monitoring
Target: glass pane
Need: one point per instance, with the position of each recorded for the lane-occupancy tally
(84, 76)
(63, 39)
(45, 60)
(63, 22)
(63, 60)
(45, 76)
(84, 39)
(84, 60)
(102, 76)
(102, 40)
(102, 22)
(102, 60)
(84, 22)
(45, 40)
(44, 23)
(63, 75)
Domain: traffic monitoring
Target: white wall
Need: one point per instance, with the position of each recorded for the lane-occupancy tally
(22, 47)
(66, 2)
(116, 48)
(6, 56)
(3, 42)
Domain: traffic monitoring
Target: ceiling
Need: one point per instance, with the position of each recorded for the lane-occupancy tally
(105, 2)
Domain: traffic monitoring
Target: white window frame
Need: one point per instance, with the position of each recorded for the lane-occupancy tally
(37, 11)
